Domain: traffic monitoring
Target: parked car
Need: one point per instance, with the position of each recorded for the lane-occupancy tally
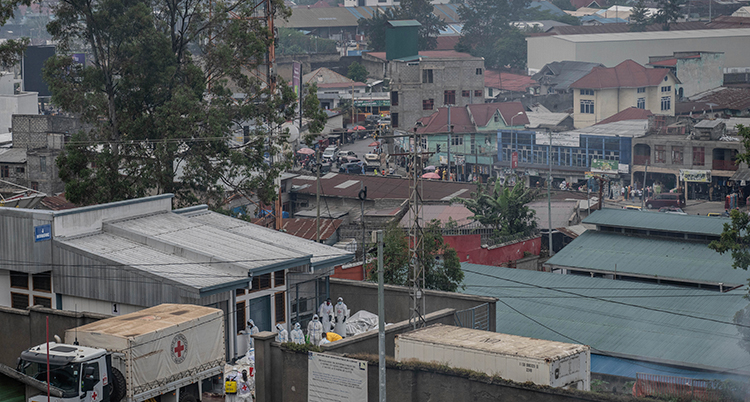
(330, 152)
(351, 168)
(672, 210)
(665, 200)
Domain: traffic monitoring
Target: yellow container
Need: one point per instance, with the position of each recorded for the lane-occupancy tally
(230, 387)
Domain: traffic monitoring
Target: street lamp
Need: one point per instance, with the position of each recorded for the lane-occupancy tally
(512, 132)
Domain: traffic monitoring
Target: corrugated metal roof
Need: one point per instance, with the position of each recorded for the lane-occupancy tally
(13, 155)
(323, 256)
(147, 259)
(658, 323)
(695, 224)
(212, 242)
(664, 259)
(656, 35)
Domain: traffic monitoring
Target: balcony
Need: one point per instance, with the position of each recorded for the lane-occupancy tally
(641, 159)
(719, 164)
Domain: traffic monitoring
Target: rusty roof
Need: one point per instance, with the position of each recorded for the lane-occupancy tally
(631, 113)
(378, 187)
(727, 22)
(438, 121)
(721, 98)
(508, 81)
(483, 112)
(624, 27)
(57, 203)
(433, 54)
(305, 228)
(627, 74)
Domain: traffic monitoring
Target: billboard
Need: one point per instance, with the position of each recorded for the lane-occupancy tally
(695, 176)
(333, 378)
(33, 61)
(605, 166)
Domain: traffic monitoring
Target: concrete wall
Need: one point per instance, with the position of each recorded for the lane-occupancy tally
(364, 296)
(22, 329)
(611, 49)
(470, 249)
(282, 376)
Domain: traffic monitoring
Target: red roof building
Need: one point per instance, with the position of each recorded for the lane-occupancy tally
(497, 83)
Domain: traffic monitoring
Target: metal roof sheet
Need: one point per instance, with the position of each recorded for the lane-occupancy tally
(656, 35)
(694, 224)
(13, 155)
(147, 259)
(323, 256)
(213, 242)
(683, 261)
(658, 323)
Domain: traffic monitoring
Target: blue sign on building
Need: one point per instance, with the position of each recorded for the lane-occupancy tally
(43, 232)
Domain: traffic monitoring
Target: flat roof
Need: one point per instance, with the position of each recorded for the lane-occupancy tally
(654, 35)
(649, 258)
(624, 218)
(149, 320)
(648, 322)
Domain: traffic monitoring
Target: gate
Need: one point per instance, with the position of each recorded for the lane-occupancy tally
(476, 317)
(305, 292)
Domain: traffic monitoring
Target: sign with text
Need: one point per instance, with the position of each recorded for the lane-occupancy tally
(558, 139)
(42, 232)
(514, 160)
(695, 176)
(335, 379)
(605, 166)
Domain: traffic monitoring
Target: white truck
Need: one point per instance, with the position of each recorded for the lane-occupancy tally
(162, 353)
(512, 357)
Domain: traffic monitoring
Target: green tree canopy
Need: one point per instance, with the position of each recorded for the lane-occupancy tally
(168, 98)
(669, 12)
(639, 18)
(357, 72)
(420, 10)
(440, 273)
(502, 207)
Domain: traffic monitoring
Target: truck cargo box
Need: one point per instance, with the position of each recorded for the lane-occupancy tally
(511, 357)
(159, 345)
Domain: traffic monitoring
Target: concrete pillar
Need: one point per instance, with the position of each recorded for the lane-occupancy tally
(263, 366)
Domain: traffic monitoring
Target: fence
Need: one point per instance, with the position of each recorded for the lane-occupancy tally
(476, 317)
(682, 388)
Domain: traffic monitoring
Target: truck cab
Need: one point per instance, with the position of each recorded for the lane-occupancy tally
(83, 374)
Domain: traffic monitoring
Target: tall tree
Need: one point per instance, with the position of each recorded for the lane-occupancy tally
(160, 98)
(508, 52)
(486, 21)
(357, 72)
(669, 12)
(639, 18)
(440, 273)
(420, 10)
(502, 207)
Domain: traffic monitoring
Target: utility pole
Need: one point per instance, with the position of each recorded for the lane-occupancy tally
(450, 134)
(645, 175)
(416, 249)
(317, 193)
(549, 195)
(381, 317)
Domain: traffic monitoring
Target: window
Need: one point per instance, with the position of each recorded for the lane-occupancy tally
(20, 170)
(19, 280)
(667, 88)
(428, 104)
(394, 119)
(4, 171)
(641, 90)
(641, 103)
(489, 92)
(497, 118)
(43, 301)
(42, 282)
(449, 97)
(426, 76)
(35, 185)
(456, 140)
(239, 292)
(465, 93)
(18, 300)
(424, 144)
(587, 106)
(478, 93)
(43, 163)
(394, 98)
(479, 71)
(699, 156)
(278, 278)
(660, 153)
(261, 282)
(677, 155)
(587, 92)
(666, 102)
(241, 320)
(278, 302)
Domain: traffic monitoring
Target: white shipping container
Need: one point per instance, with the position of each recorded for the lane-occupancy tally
(158, 345)
(511, 357)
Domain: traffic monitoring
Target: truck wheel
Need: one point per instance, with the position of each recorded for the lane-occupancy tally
(185, 397)
(117, 391)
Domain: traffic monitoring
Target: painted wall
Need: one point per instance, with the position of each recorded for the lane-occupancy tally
(469, 249)
(698, 75)
(73, 303)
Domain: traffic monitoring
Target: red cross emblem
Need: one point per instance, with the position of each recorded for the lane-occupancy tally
(180, 347)
(93, 396)
(244, 386)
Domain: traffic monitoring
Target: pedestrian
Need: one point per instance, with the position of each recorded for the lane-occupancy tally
(297, 336)
(315, 330)
(341, 314)
(326, 314)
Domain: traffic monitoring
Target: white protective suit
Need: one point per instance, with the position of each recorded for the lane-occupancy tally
(297, 336)
(341, 314)
(315, 330)
(251, 330)
(283, 335)
(325, 312)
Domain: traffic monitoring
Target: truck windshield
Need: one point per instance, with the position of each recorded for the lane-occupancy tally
(64, 377)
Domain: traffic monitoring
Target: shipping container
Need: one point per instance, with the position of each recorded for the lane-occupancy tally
(516, 358)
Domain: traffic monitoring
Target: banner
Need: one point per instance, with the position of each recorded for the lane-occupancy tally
(567, 139)
(335, 379)
(605, 166)
(695, 176)
(296, 77)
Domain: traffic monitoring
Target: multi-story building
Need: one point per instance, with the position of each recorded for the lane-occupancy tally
(697, 71)
(605, 92)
